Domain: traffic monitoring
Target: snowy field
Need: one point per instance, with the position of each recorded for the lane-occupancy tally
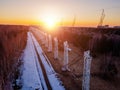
(32, 77)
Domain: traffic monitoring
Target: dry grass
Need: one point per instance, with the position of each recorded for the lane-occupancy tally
(12, 42)
(105, 47)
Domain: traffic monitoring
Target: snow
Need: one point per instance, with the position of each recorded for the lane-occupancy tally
(32, 74)
(51, 74)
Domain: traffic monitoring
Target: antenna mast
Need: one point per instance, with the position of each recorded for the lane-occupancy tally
(74, 20)
(101, 19)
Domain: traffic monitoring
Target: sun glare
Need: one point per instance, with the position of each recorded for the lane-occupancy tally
(50, 21)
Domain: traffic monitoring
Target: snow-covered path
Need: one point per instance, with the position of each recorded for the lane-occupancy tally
(51, 74)
(33, 77)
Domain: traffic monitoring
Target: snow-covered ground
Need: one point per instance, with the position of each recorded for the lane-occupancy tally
(55, 83)
(32, 77)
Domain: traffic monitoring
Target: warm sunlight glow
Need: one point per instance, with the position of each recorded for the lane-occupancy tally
(50, 22)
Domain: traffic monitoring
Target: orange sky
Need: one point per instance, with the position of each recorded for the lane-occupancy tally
(87, 12)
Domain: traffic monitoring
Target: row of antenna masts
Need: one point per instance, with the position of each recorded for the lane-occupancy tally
(100, 24)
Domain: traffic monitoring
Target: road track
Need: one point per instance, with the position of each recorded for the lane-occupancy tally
(47, 76)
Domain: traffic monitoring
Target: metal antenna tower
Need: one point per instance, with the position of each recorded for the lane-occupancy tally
(74, 20)
(101, 19)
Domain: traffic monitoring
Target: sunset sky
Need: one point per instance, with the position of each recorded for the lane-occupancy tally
(87, 12)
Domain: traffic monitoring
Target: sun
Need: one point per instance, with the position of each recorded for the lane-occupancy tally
(50, 21)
